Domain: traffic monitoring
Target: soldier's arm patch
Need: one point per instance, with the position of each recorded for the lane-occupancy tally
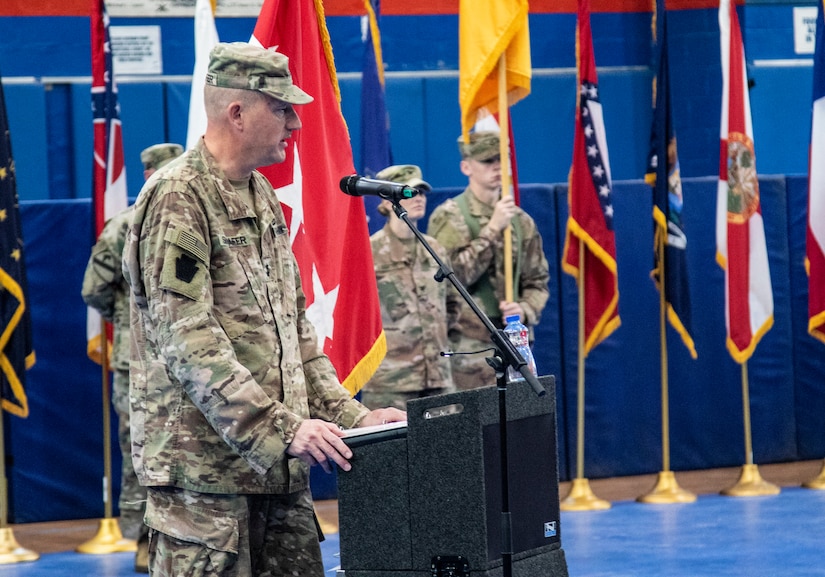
(184, 264)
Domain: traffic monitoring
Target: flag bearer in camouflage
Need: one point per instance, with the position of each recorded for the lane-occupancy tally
(416, 311)
(105, 290)
(232, 399)
(471, 228)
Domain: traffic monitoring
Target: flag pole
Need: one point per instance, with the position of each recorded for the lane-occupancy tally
(581, 496)
(666, 490)
(108, 539)
(504, 153)
(10, 549)
(750, 483)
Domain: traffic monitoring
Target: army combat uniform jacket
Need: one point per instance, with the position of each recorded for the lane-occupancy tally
(473, 257)
(225, 364)
(417, 313)
(104, 288)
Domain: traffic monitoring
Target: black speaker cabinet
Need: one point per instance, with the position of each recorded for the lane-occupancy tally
(425, 500)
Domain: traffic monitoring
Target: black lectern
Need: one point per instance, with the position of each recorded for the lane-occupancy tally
(426, 501)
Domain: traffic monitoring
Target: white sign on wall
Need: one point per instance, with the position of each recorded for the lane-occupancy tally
(181, 8)
(804, 29)
(136, 49)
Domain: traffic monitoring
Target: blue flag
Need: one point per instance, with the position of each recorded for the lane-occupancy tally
(670, 240)
(16, 353)
(375, 123)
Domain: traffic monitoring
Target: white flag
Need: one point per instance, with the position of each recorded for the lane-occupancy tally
(206, 36)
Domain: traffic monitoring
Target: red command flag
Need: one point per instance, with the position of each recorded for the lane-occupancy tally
(591, 200)
(741, 249)
(108, 171)
(328, 229)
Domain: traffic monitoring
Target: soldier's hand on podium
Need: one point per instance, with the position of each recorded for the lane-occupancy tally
(318, 442)
(382, 417)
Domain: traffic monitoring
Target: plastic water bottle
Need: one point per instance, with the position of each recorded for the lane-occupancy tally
(517, 333)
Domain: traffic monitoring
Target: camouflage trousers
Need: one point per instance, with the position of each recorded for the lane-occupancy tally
(201, 535)
(132, 502)
(472, 371)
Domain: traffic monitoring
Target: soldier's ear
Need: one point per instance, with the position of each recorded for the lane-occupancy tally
(465, 167)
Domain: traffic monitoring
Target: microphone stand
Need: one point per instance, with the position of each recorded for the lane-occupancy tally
(505, 355)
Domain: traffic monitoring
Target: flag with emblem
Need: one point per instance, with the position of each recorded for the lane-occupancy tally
(741, 249)
(663, 175)
(206, 37)
(16, 352)
(327, 228)
(376, 153)
(108, 170)
(488, 30)
(590, 242)
(815, 248)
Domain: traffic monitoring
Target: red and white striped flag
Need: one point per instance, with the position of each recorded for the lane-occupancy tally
(109, 171)
(741, 249)
(815, 252)
(328, 229)
(591, 200)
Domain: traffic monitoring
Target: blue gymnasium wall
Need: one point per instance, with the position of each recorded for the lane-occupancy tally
(55, 455)
(45, 63)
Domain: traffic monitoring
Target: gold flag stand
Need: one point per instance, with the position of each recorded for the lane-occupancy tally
(667, 490)
(750, 483)
(581, 497)
(817, 482)
(10, 549)
(108, 539)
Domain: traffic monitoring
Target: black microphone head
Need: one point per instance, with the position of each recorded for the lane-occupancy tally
(347, 184)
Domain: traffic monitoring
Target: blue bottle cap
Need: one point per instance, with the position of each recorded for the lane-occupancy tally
(512, 318)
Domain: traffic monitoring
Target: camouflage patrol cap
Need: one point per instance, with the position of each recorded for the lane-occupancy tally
(159, 155)
(408, 174)
(249, 67)
(483, 146)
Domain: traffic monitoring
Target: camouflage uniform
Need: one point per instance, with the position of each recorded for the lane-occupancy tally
(471, 258)
(105, 290)
(225, 365)
(417, 312)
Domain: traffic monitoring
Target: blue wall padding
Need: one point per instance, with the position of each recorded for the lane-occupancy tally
(57, 452)
(808, 353)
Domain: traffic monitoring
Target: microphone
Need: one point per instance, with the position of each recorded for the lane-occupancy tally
(355, 185)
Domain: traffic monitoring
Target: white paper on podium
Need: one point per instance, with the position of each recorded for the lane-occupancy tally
(375, 433)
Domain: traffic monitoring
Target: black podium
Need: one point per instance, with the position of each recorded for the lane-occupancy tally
(426, 500)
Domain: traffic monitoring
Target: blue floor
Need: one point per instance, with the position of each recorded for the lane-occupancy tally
(715, 536)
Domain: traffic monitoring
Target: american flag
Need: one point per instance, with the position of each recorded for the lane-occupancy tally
(108, 172)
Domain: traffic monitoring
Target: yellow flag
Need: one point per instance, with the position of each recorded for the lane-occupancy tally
(488, 29)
